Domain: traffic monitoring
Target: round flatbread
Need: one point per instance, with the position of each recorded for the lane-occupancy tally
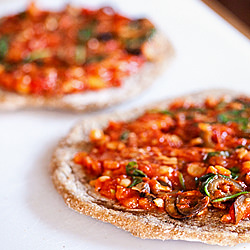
(72, 183)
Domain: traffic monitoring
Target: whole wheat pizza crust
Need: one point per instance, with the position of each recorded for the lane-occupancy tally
(71, 182)
(93, 100)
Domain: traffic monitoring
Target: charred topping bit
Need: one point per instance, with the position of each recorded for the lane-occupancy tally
(106, 36)
(156, 162)
(85, 49)
(171, 208)
(185, 205)
(191, 203)
(142, 187)
(144, 191)
(242, 207)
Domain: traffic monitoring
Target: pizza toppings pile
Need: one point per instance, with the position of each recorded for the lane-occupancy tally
(71, 51)
(183, 161)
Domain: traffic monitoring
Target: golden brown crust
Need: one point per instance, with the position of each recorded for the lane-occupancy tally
(70, 181)
(93, 100)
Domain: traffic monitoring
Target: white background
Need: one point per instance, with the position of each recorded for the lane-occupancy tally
(209, 53)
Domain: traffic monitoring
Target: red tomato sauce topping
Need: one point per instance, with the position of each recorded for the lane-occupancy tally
(74, 50)
(183, 160)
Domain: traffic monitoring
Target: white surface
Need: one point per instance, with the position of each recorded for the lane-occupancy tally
(209, 53)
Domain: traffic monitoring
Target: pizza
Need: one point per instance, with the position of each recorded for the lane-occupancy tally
(179, 169)
(77, 58)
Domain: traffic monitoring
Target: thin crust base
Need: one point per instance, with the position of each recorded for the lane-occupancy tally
(93, 100)
(70, 181)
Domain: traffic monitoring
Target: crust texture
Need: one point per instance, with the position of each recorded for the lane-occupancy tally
(70, 181)
(93, 100)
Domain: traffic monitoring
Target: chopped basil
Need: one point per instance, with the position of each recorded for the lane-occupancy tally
(205, 177)
(203, 182)
(136, 174)
(3, 47)
(234, 116)
(216, 153)
(222, 118)
(182, 180)
(131, 170)
(166, 112)
(229, 197)
(192, 109)
(235, 172)
(124, 136)
(8, 66)
(221, 105)
(95, 59)
(135, 180)
(133, 45)
(84, 34)
(234, 169)
(151, 33)
(80, 54)
(37, 55)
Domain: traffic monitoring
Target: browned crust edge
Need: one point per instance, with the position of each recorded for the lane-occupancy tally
(93, 100)
(77, 194)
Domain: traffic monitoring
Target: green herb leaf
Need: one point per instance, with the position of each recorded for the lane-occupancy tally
(182, 180)
(95, 59)
(216, 153)
(3, 47)
(221, 105)
(222, 118)
(37, 55)
(124, 135)
(166, 112)
(80, 54)
(205, 177)
(234, 169)
(235, 172)
(234, 116)
(135, 180)
(229, 197)
(151, 33)
(204, 180)
(84, 34)
(131, 170)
